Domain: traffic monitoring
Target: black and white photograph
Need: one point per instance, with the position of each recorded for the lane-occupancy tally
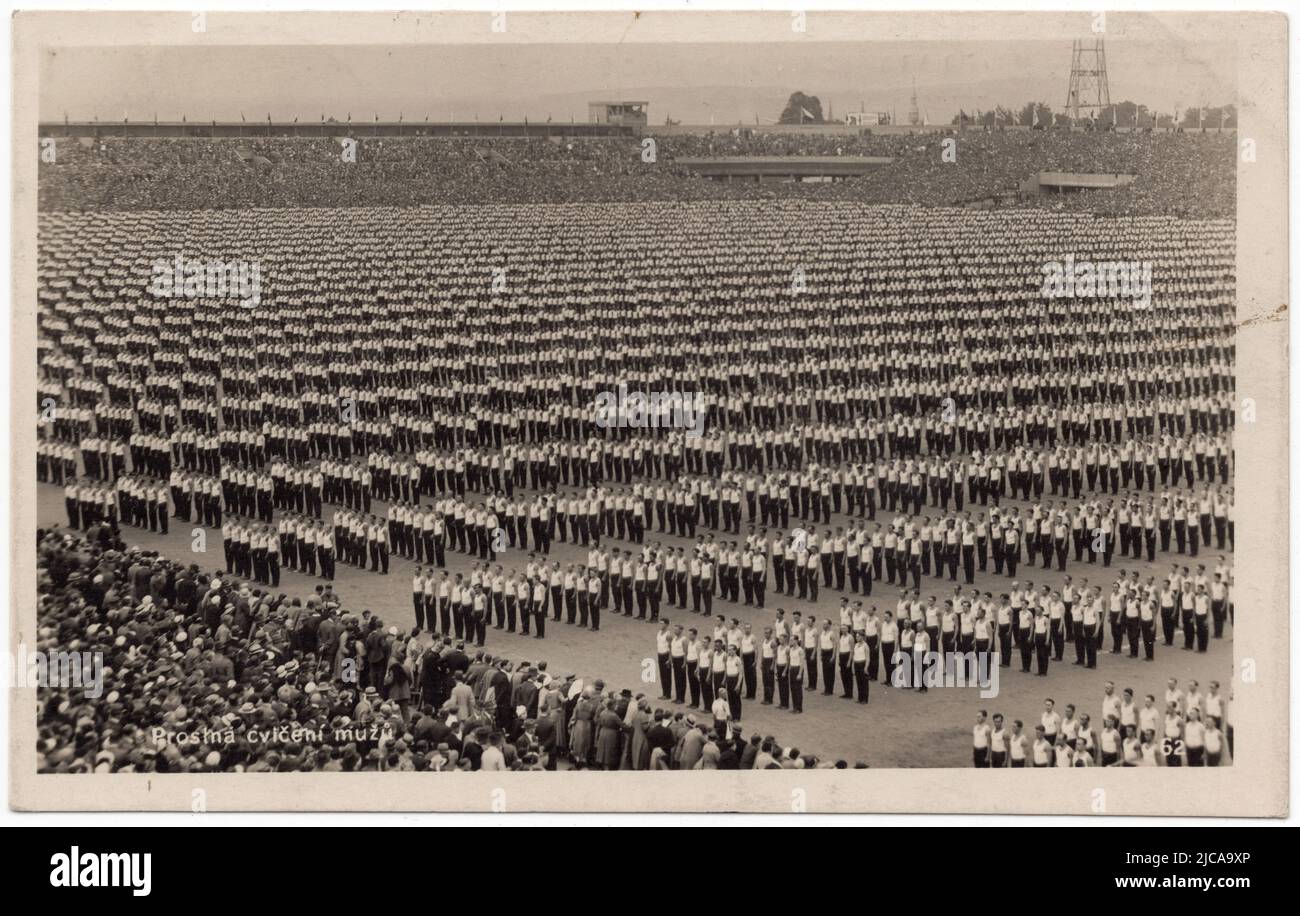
(503, 410)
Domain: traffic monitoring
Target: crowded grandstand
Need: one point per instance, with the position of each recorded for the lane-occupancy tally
(1178, 173)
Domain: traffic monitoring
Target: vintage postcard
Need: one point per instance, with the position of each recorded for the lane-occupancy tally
(654, 411)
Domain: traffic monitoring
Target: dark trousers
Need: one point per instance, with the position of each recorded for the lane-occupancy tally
(864, 683)
(733, 698)
(1040, 646)
(828, 671)
(1149, 638)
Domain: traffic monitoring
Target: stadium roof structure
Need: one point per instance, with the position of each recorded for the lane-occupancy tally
(333, 128)
(1083, 179)
(727, 167)
(1076, 181)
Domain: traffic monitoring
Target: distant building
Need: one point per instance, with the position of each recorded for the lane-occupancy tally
(626, 114)
(866, 118)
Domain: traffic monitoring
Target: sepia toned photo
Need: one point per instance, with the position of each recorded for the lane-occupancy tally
(665, 411)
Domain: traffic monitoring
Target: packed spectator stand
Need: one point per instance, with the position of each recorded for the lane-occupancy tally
(1188, 174)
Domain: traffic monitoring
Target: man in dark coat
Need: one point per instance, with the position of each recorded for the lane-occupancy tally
(660, 735)
(433, 677)
(433, 728)
(547, 739)
(497, 683)
(377, 650)
(454, 660)
(525, 695)
(474, 673)
(187, 593)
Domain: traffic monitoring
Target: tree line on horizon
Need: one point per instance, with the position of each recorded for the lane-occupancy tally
(802, 108)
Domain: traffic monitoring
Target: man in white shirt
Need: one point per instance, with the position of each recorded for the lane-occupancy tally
(417, 597)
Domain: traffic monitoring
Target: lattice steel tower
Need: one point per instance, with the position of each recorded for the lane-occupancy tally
(1089, 89)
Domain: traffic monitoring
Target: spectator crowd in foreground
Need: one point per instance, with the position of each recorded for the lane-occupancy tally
(203, 672)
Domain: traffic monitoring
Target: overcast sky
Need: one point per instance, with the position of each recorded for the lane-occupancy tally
(694, 83)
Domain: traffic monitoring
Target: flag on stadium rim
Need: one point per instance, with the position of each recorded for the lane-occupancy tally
(1034, 109)
(806, 113)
